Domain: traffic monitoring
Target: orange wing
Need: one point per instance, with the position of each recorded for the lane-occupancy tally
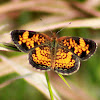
(26, 40)
(65, 62)
(81, 47)
(40, 57)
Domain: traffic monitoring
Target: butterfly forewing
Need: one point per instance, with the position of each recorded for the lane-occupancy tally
(81, 47)
(26, 40)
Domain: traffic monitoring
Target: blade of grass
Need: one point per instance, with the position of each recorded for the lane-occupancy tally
(9, 46)
(13, 79)
(49, 87)
(64, 80)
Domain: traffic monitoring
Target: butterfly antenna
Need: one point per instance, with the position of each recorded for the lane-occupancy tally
(45, 24)
(62, 28)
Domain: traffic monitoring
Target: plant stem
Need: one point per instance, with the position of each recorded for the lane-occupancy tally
(49, 87)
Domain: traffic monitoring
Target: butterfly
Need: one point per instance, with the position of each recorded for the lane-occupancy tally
(61, 55)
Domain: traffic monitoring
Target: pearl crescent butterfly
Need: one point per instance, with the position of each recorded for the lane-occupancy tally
(62, 54)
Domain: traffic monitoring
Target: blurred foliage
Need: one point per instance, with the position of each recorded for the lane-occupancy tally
(19, 90)
(78, 0)
(18, 14)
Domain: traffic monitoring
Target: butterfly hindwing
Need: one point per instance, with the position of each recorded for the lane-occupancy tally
(65, 62)
(81, 47)
(26, 40)
(40, 57)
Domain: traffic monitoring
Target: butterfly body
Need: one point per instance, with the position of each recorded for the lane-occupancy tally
(62, 54)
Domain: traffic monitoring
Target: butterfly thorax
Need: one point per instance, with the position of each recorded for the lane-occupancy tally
(53, 49)
(53, 36)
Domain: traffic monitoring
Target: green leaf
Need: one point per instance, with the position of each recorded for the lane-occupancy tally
(64, 80)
